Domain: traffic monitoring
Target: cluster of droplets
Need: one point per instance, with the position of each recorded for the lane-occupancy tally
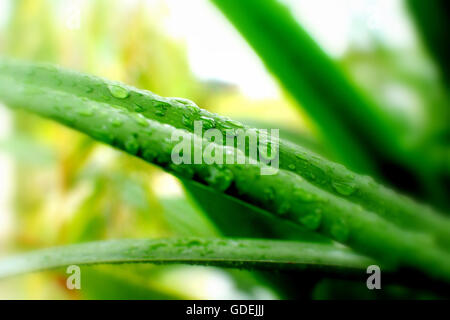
(190, 112)
(160, 108)
(207, 122)
(120, 92)
(221, 178)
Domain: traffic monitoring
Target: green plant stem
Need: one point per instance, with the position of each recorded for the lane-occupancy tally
(65, 97)
(245, 254)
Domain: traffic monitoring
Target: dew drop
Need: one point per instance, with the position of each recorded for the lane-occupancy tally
(149, 154)
(310, 175)
(138, 108)
(187, 121)
(269, 193)
(85, 112)
(207, 122)
(312, 220)
(301, 156)
(116, 122)
(304, 195)
(161, 108)
(118, 92)
(283, 208)
(141, 120)
(339, 231)
(291, 166)
(220, 179)
(188, 103)
(343, 188)
(132, 146)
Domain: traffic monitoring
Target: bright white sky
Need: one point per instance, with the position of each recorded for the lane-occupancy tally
(217, 51)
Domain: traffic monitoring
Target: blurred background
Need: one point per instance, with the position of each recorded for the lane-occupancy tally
(72, 189)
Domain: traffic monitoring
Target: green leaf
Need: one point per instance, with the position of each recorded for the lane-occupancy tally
(246, 254)
(355, 128)
(348, 121)
(431, 18)
(105, 284)
(238, 219)
(121, 120)
(334, 202)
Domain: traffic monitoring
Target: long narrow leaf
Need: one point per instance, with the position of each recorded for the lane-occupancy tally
(357, 130)
(91, 95)
(432, 20)
(245, 254)
(129, 119)
(348, 121)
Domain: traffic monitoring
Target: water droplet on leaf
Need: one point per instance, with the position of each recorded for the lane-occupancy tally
(339, 231)
(283, 208)
(138, 108)
(161, 108)
(142, 121)
(132, 146)
(301, 156)
(118, 92)
(344, 188)
(311, 220)
(116, 122)
(269, 193)
(220, 179)
(187, 121)
(85, 112)
(304, 195)
(207, 122)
